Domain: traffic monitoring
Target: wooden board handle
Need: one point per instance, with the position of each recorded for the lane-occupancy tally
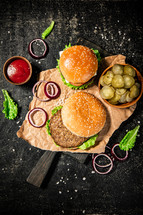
(41, 169)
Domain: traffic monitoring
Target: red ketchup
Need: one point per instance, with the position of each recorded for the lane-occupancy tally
(18, 71)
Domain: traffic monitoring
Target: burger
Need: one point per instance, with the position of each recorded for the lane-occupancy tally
(78, 66)
(77, 123)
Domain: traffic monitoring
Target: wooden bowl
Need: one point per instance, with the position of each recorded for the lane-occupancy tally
(128, 104)
(10, 60)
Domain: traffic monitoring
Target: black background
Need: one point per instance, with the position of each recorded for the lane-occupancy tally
(72, 188)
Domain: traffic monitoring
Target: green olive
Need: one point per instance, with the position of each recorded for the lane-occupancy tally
(134, 91)
(118, 81)
(128, 98)
(128, 70)
(107, 92)
(108, 77)
(115, 99)
(121, 91)
(123, 98)
(129, 81)
(117, 69)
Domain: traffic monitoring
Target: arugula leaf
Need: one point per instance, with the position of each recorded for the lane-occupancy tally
(55, 110)
(128, 141)
(47, 126)
(48, 30)
(10, 108)
(89, 143)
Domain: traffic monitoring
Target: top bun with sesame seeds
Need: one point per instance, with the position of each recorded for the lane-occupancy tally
(78, 64)
(83, 114)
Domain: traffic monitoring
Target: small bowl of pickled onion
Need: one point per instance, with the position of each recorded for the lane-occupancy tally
(17, 70)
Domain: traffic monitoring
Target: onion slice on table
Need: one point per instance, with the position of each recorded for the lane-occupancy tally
(52, 90)
(31, 51)
(95, 164)
(30, 117)
(34, 94)
(115, 155)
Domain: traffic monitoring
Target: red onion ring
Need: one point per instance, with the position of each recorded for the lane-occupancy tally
(93, 155)
(31, 52)
(103, 166)
(31, 121)
(55, 90)
(115, 156)
(34, 94)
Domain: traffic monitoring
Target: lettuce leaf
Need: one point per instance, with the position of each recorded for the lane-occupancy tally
(10, 108)
(89, 143)
(55, 110)
(84, 86)
(129, 140)
(96, 52)
(47, 126)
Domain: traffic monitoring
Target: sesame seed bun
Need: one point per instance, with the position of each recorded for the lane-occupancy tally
(78, 64)
(83, 114)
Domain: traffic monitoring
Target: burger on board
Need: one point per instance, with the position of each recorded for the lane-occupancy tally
(81, 117)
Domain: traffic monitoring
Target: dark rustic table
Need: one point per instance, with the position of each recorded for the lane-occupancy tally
(71, 187)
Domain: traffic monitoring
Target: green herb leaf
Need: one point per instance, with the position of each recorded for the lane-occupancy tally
(96, 52)
(89, 143)
(10, 108)
(55, 110)
(48, 30)
(47, 126)
(67, 46)
(129, 140)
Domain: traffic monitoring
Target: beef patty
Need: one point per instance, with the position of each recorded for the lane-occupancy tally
(61, 135)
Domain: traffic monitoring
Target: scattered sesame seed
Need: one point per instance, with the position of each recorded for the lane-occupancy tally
(57, 182)
(60, 192)
(84, 178)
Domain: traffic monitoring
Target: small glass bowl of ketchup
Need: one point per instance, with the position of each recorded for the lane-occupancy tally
(17, 70)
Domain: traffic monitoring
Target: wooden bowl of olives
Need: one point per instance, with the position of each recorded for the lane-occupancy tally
(121, 85)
